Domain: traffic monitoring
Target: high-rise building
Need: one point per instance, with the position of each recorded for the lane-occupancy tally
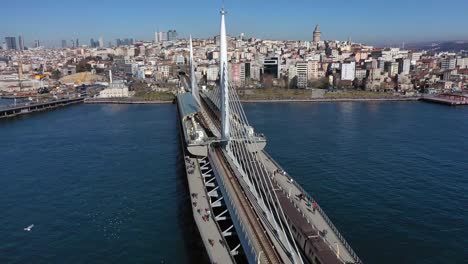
(404, 66)
(312, 69)
(161, 36)
(212, 73)
(292, 75)
(172, 35)
(391, 68)
(255, 72)
(77, 44)
(317, 34)
(234, 74)
(91, 43)
(301, 73)
(462, 62)
(64, 43)
(21, 43)
(271, 67)
(348, 71)
(37, 43)
(72, 43)
(101, 42)
(10, 43)
(124, 42)
(247, 69)
(448, 63)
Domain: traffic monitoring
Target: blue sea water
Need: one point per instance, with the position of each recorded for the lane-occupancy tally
(104, 183)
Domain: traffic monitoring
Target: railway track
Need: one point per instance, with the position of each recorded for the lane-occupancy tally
(269, 254)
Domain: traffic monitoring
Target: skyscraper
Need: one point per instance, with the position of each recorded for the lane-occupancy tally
(10, 43)
(77, 44)
(64, 43)
(317, 34)
(161, 36)
(172, 35)
(37, 44)
(21, 43)
(101, 42)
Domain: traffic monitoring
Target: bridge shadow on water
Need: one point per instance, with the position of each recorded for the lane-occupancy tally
(193, 244)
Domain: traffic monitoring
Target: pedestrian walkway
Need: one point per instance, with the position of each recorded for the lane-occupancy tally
(211, 235)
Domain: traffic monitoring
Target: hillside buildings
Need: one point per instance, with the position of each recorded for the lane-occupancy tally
(255, 63)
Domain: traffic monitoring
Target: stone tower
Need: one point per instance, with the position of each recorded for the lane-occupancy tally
(317, 34)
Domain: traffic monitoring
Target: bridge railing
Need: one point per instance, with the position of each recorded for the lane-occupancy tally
(32, 103)
(322, 213)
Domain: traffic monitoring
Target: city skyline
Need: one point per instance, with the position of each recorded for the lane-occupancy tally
(364, 22)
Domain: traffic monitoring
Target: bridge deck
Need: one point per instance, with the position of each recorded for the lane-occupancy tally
(315, 218)
(27, 108)
(259, 238)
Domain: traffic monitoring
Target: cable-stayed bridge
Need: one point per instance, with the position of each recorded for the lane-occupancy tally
(246, 207)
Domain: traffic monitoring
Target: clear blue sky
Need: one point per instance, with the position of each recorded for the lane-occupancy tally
(370, 21)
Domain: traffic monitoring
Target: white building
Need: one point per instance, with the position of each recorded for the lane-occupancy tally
(212, 73)
(415, 56)
(348, 71)
(116, 89)
(404, 66)
(360, 73)
(448, 63)
(302, 74)
(161, 36)
(462, 62)
(312, 69)
(165, 70)
(255, 72)
(292, 72)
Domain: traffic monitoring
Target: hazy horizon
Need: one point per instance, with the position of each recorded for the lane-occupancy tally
(364, 21)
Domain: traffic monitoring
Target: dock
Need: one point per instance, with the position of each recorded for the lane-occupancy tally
(28, 108)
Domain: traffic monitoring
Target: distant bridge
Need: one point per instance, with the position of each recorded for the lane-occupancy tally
(31, 107)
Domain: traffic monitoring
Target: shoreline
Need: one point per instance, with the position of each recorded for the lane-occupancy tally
(320, 100)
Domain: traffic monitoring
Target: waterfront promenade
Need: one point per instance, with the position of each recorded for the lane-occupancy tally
(330, 100)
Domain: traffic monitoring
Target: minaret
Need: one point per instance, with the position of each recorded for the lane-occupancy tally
(224, 80)
(193, 82)
(317, 34)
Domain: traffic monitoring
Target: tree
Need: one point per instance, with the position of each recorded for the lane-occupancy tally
(321, 83)
(83, 66)
(356, 83)
(56, 74)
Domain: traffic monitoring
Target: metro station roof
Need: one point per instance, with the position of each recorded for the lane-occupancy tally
(188, 105)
